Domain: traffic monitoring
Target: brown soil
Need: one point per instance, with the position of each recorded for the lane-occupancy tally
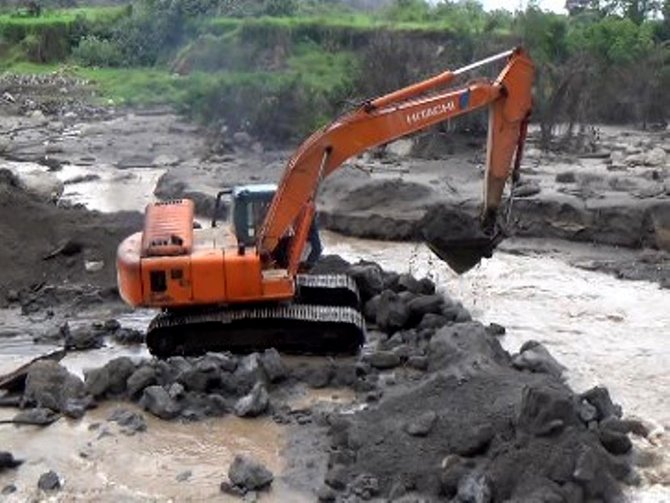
(46, 244)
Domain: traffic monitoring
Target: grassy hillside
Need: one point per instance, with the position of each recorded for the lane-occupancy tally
(278, 69)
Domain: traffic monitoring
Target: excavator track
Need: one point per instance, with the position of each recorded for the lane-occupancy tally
(334, 325)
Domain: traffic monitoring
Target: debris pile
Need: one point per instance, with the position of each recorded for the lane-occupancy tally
(45, 245)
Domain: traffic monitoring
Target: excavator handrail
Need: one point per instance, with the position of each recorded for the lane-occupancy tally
(393, 116)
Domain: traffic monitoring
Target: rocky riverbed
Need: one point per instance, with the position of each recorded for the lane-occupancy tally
(411, 417)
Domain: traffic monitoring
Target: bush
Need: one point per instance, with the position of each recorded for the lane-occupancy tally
(94, 51)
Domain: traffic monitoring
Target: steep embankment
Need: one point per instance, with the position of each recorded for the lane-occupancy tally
(45, 244)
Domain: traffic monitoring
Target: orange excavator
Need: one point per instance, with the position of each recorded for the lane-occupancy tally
(239, 287)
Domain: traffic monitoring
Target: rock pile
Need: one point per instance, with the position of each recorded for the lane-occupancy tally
(448, 413)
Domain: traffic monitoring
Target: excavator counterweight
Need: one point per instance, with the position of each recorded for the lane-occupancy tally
(237, 286)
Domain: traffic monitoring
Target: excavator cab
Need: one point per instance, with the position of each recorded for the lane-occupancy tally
(250, 204)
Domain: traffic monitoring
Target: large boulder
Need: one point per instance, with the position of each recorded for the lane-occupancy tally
(50, 385)
(534, 357)
(392, 314)
(248, 474)
(253, 404)
(158, 401)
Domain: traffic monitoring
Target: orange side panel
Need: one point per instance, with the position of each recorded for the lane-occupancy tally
(280, 288)
(168, 228)
(209, 285)
(243, 277)
(128, 275)
(167, 281)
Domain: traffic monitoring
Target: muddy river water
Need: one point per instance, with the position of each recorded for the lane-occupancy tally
(604, 330)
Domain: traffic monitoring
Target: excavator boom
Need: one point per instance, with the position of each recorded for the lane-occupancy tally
(399, 114)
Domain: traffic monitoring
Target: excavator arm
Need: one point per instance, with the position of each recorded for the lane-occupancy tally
(394, 116)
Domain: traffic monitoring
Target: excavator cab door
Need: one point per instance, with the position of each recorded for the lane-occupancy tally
(250, 204)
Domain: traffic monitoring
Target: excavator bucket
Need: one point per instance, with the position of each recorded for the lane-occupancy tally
(464, 254)
(457, 238)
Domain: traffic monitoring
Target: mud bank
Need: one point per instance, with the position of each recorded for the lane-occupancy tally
(617, 196)
(48, 245)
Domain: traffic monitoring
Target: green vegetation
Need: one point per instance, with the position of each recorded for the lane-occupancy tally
(278, 68)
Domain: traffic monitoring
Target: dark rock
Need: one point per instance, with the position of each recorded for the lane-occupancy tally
(451, 311)
(49, 481)
(76, 407)
(248, 474)
(407, 282)
(130, 421)
(194, 380)
(231, 489)
(216, 405)
(337, 477)
(534, 356)
(495, 330)
(120, 369)
(110, 325)
(425, 304)
(392, 312)
(390, 280)
(331, 264)
(587, 412)
(7, 460)
(527, 189)
(566, 177)
(427, 286)
(248, 372)
(128, 336)
(615, 442)
(545, 411)
(368, 278)
(81, 337)
(253, 404)
(50, 385)
(403, 351)
(317, 376)
(421, 425)
(625, 426)
(273, 365)
(599, 397)
(96, 381)
(432, 321)
(344, 374)
(462, 315)
(370, 309)
(176, 391)
(38, 416)
(225, 362)
(474, 440)
(418, 362)
(384, 360)
(157, 401)
(143, 377)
